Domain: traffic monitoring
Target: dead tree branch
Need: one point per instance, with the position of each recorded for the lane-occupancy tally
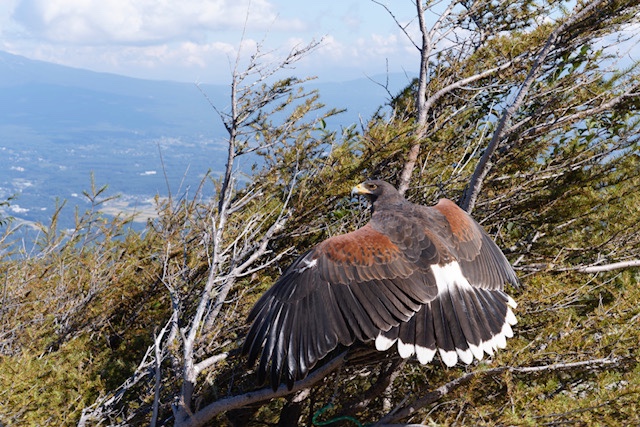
(210, 411)
(432, 397)
(106, 406)
(608, 267)
(470, 195)
(232, 259)
(425, 103)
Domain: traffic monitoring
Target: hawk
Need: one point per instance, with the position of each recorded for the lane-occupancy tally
(428, 279)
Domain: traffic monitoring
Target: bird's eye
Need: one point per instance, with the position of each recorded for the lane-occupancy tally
(372, 186)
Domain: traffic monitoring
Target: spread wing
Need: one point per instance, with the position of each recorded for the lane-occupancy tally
(348, 287)
(471, 314)
(429, 279)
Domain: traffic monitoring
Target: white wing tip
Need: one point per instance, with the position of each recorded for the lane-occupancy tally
(465, 356)
(425, 355)
(383, 343)
(477, 351)
(450, 358)
(405, 350)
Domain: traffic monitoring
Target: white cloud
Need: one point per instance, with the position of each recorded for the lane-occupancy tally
(191, 40)
(184, 61)
(372, 47)
(17, 209)
(331, 47)
(125, 22)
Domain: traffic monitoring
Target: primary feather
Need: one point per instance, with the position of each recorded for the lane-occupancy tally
(428, 279)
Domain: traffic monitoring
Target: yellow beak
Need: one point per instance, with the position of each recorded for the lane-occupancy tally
(359, 190)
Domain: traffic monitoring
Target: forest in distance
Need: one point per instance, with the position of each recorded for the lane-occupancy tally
(531, 125)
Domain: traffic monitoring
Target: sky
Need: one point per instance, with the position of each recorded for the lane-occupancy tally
(197, 40)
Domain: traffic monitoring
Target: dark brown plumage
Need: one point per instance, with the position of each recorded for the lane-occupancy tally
(427, 278)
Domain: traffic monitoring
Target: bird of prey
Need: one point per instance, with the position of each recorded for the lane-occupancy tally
(427, 278)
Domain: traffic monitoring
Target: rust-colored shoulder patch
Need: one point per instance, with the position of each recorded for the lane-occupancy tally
(461, 226)
(364, 246)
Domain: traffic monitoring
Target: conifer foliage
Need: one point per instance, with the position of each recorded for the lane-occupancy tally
(524, 111)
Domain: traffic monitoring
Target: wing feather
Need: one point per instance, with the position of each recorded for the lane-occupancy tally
(348, 287)
(378, 283)
(481, 261)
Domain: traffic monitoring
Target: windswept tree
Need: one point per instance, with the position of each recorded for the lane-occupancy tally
(521, 105)
(213, 249)
(524, 112)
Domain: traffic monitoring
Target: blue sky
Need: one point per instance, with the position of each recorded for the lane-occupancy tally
(194, 40)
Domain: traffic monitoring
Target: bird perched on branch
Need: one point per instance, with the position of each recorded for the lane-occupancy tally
(427, 278)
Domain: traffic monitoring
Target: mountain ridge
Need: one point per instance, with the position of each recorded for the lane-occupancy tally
(61, 125)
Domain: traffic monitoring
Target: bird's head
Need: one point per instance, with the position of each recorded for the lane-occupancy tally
(377, 191)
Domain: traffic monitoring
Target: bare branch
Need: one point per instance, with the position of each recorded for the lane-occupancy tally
(210, 361)
(470, 195)
(261, 250)
(210, 411)
(158, 349)
(246, 199)
(439, 22)
(571, 118)
(105, 406)
(607, 267)
(264, 265)
(425, 104)
(223, 117)
(471, 79)
(414, 151)
(437, 394)
(395, 19)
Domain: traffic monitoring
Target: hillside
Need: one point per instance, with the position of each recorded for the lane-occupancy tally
(256, 299)
(59, 125)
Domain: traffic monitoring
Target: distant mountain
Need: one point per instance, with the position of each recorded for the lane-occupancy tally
(43, 95)
(59, 124)
(46, 96)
